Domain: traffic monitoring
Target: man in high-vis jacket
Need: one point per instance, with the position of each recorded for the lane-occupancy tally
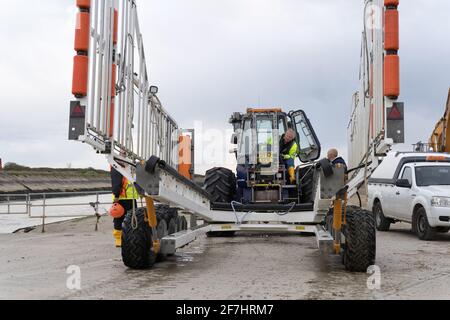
(125, 194)
(289, 151)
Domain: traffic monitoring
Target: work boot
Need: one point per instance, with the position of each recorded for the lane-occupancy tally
(118, 238)
(292, 178)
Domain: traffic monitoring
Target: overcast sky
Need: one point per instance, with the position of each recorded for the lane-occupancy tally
(211, 58)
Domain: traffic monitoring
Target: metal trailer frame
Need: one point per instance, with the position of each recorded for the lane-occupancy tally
(164, 184)
(142, 129)
(369, 130)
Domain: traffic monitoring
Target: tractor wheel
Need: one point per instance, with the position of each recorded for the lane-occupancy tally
(137, 245)
(382, 223)
(220, 183)
(306, 184)
(360, 240)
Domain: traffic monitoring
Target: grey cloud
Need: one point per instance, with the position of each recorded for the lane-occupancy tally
(211, 58)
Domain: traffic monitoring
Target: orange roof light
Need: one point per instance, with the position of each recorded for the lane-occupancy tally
(272, 110)
(436, 158)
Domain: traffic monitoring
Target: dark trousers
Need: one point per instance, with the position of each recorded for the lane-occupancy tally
(128, 206)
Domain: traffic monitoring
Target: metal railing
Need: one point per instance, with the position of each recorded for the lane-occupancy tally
(45, 201)
(11, 201)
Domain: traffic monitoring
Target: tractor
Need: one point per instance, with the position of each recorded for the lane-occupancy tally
(261, 186)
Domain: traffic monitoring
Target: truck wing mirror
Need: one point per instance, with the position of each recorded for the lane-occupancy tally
(403, 183)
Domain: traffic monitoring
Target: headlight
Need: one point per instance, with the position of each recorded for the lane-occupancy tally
(442, 202)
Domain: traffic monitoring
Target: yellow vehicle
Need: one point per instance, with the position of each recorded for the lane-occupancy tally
(440, 139)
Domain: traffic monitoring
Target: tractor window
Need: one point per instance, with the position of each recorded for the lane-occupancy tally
(265, 137)
(245, 146)
(306, 137)
(265, 132)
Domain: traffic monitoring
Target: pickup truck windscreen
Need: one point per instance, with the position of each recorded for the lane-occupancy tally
(433, 176)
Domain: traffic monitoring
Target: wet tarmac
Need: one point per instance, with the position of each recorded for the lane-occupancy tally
(34, 266)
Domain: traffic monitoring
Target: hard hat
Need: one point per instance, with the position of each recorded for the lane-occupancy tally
(117, 211)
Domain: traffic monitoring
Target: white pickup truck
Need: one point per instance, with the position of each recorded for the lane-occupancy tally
(412, 188)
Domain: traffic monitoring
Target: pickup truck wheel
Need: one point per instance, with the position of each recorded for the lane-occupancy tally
(360, 240)
(422, 226)
(382, 223)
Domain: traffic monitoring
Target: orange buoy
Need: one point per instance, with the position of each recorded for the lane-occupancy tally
(84, 4)
(392, 76)
(80, 76)
(82, 32)
(117, 211)
(391, 40)
(393, 3)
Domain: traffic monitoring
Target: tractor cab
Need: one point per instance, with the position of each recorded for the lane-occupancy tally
(262, 175)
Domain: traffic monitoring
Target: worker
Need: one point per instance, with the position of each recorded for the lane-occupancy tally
(289, 151)
(335, 159)
(125, 195)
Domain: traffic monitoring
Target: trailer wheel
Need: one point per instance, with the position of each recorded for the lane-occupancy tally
(422, 227)
(220, 183)
(137, 245)
(162, 232)
(184, 224)
(165, 212)
(382, 223)
(360, 240)
(181, 224)
(172, 226)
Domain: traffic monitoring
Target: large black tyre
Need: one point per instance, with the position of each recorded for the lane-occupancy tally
(181, 223)
(165, 212)
(220, 183)
(162, 232)
(422, 227)
(306, 181)
(172, 226)
(137, 245)
(382, 223)
(360, 240)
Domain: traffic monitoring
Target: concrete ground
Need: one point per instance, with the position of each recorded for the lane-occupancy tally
(34, 265)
